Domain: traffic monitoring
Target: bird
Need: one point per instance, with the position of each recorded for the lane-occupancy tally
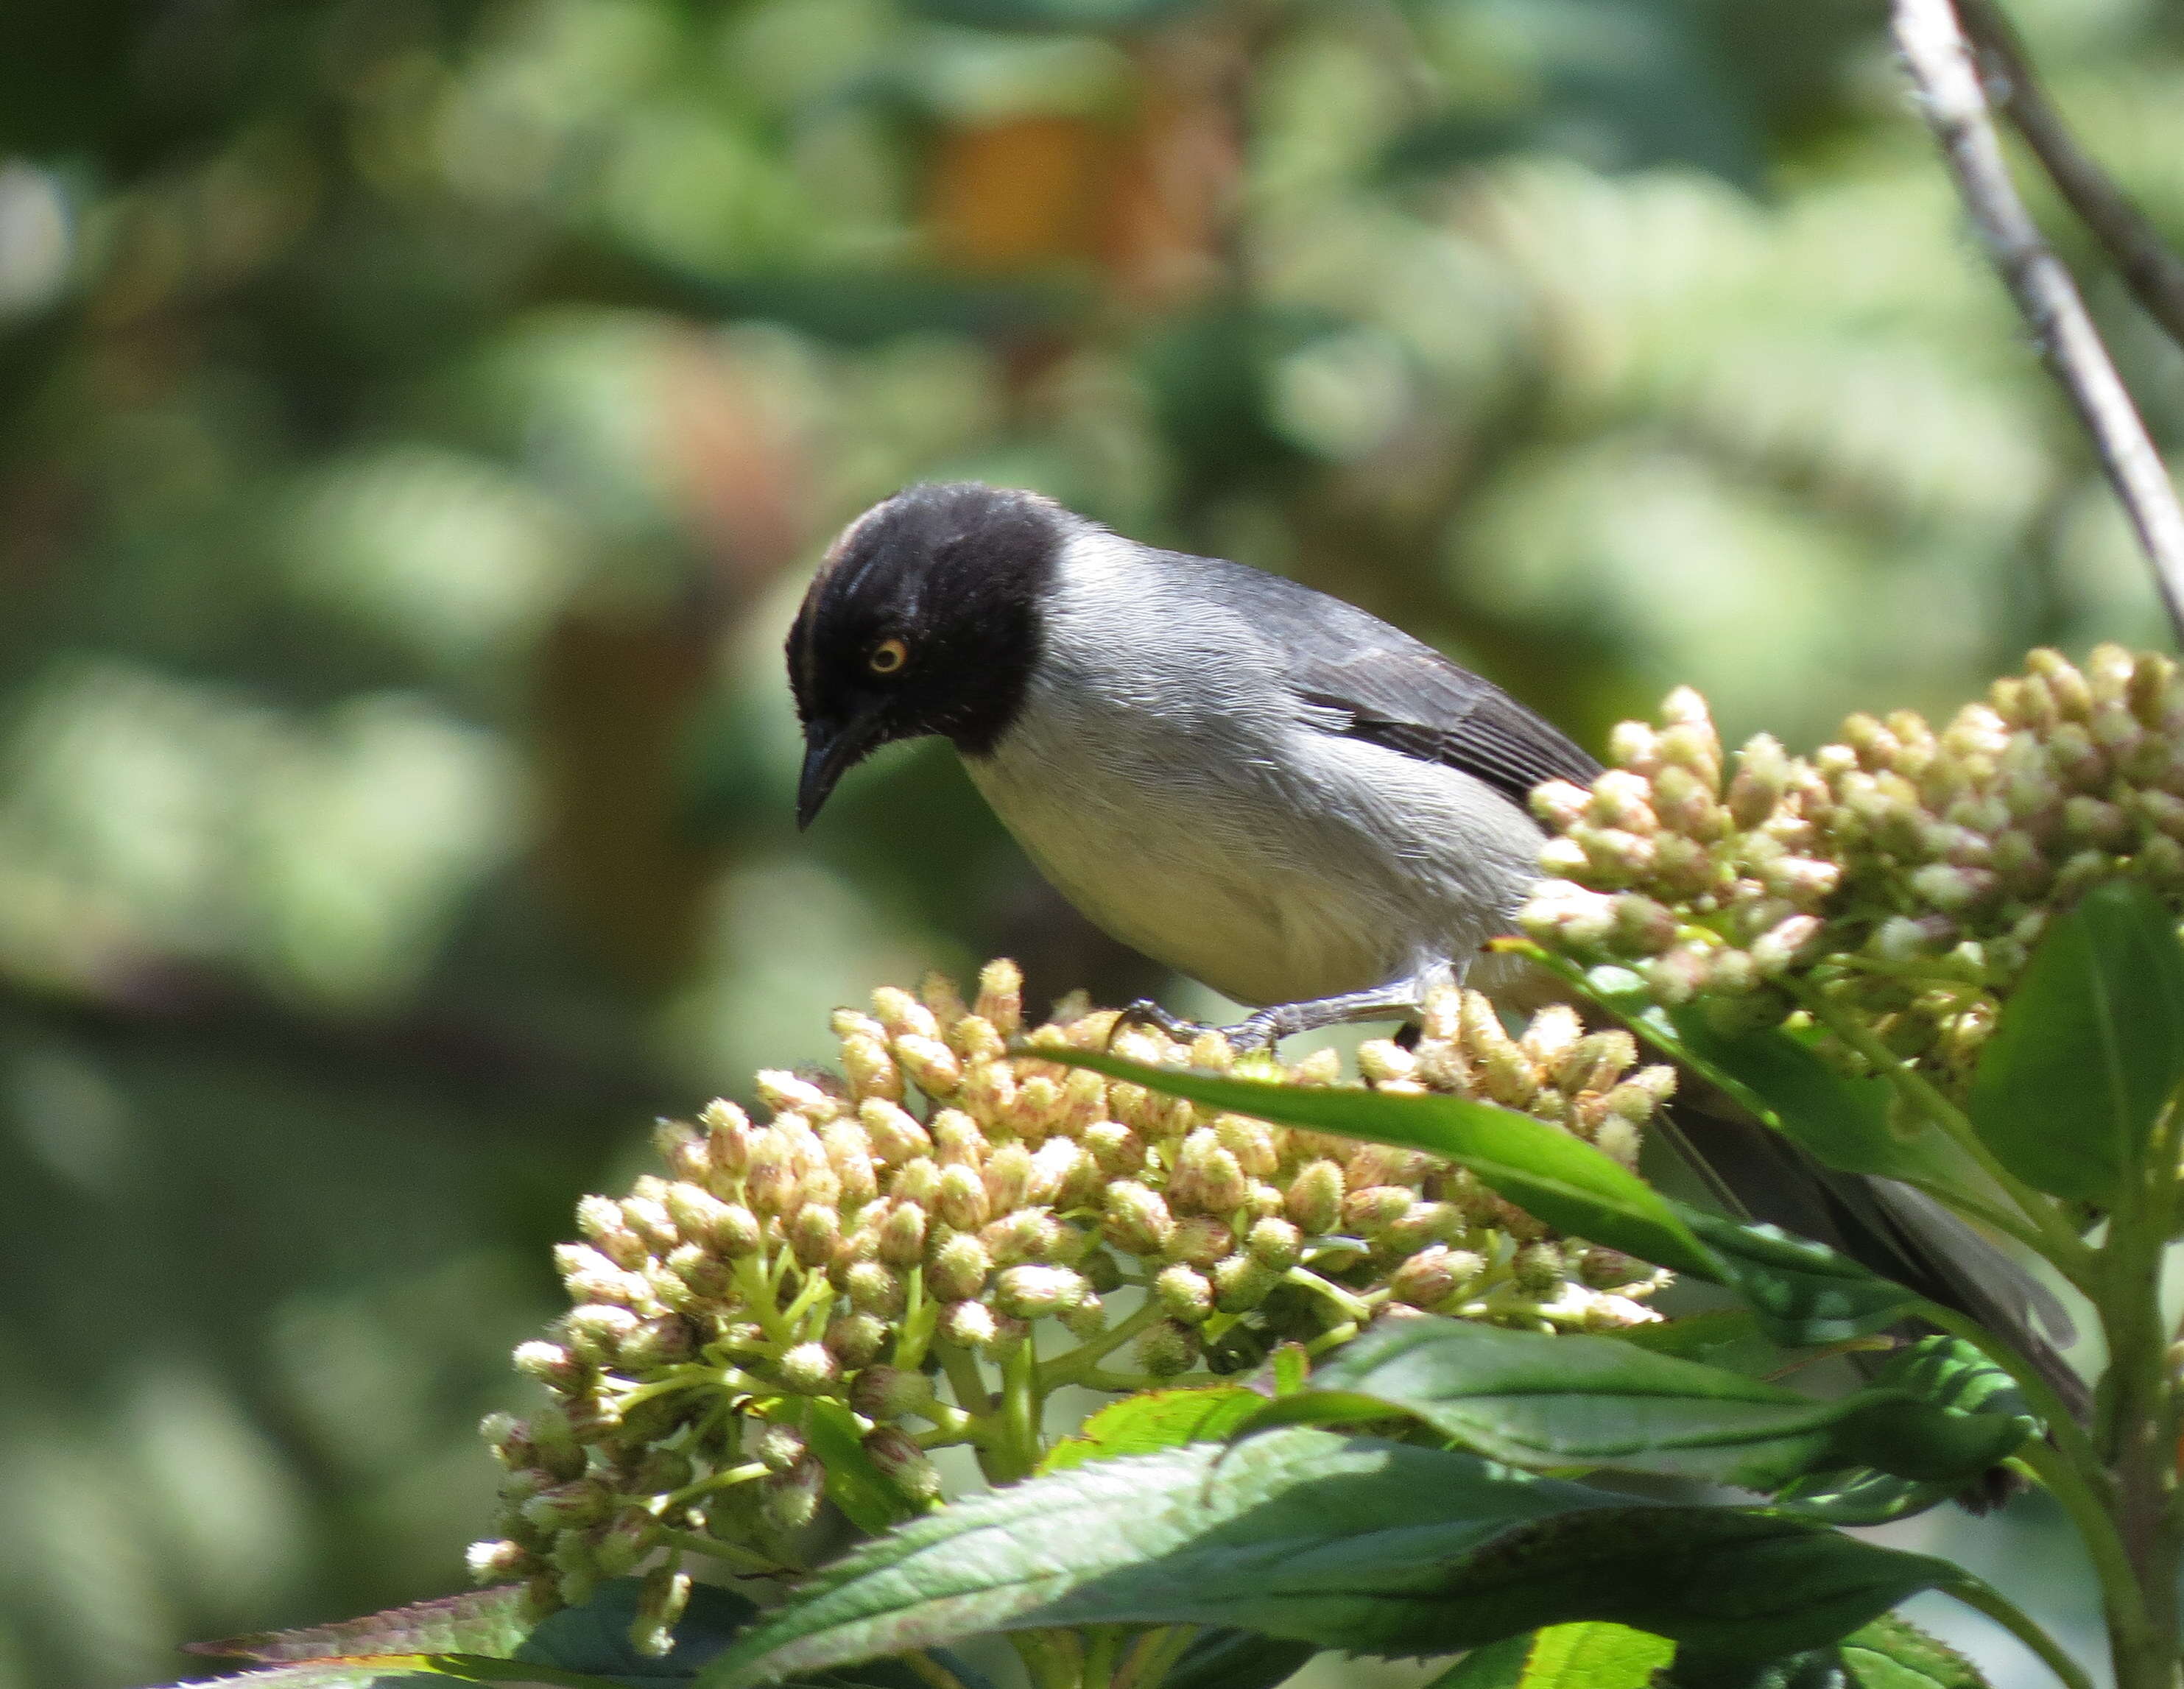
(1269, 791)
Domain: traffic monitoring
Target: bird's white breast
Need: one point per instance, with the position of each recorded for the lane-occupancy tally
(1167, 782)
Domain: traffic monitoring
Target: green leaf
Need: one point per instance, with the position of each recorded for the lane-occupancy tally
(1237, 1659)
(1157, 1419)
(867, 1497)
(1553, 1402)
(2088, 1049)
(1806, 1295)
(1890, 1654)
(594, 1638)
(486, 1621)
(1546, 1171)
(1348, 1543)
(1945, 1371)
(1580, 1655)
(1843, 1121)
(1712, 1336)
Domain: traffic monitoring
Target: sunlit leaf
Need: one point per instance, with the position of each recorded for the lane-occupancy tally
(1155, 1419)
(1551, 1403)
(1344, 1542)
(2089, 1048)
(1580, 1655)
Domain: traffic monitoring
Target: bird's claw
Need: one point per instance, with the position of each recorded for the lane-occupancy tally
(1248, 1037)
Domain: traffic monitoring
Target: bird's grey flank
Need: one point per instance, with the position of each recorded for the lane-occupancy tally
(1261, 786)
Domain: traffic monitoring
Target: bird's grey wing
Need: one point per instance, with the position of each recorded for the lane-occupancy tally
(1389, 689)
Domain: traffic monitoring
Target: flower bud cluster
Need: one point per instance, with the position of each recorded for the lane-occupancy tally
(892, 1235)
(1913, 869)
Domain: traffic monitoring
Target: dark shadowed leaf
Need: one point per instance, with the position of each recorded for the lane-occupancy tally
(1581, 1656)
(1950, 1374)
(2088, 1049)
(1553, 1401)
(1543, 1169)
(1806, 1295)
(1238, 1659)
(1348, 1543)
(1158, 1419)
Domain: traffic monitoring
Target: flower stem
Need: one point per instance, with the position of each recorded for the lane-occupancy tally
(1075, 1366)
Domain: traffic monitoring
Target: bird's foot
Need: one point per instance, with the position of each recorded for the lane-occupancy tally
(1146, 1012)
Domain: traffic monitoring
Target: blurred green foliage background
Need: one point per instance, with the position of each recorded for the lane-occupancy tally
(418, 419)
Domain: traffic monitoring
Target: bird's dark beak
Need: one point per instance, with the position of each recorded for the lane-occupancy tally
(831, 750)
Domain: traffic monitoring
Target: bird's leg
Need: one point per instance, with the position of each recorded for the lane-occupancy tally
(1146, 1012)
(1404, 998)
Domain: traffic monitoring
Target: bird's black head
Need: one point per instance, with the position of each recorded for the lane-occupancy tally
(923, 619)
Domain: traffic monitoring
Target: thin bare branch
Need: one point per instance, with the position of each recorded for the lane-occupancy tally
(1954, 101)
(2154, 273)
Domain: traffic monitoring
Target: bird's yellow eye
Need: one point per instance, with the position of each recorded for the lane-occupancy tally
(887, 656)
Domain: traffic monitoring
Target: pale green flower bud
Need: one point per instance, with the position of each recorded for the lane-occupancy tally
(1761, 781)
(655, 1343)
(890, 1392)
(1424, 1224)
(1035, 1292)
(937, 1070)
(1370, 1211)
(697, 1216)
(589, 1276)
(1007, 1178)
(1553, 1033)
(570, 1507)
(989, 1092)
(896, 1136)
(1200, 1240)
(1559, 805)
(786, 1093)
(600, 1219)
(727, 1138)
(1429, 1277)
(903, 1015)
(975, 1040)
(1634, 745)
(1539, 1270)
(1381, 1061)
(1027, 1234)
(904, 1464)
(958, 1140)
(1137, 1222)
(814, 1234)
(1563, 858)
(660, 1606)
(551, 1364)
(855, 1339)
(2074, 698)
(809, 1369)
(498, 1562)
(1062, 1175)
(790, 1500)
(1274, 1244)
(2093, 821)
(872, 1289)
(1000, 996)
(848, 1153)
(959, 1268)
(969, 1325)
(1953, 889)
(1165, 1349)
(1241, 1283)
(962, 1200)
(776, 1447)
(1314, 1202)
(1775, 951)
(1119, 1151)
(916, 1181)
(902, 1236)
